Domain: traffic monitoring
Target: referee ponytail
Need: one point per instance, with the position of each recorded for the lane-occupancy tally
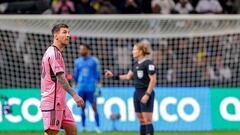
(144, 47)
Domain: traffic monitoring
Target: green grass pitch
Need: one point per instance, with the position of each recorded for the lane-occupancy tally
(133, 133)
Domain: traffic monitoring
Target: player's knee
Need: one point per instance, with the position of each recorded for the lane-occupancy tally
(71, 131)
(141, 121)
(148, 120)
(94, 107)
(74, 132)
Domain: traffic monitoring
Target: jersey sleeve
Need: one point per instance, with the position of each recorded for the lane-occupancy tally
(56, 63)
(131, 67)
(98, 69)
(151, 68)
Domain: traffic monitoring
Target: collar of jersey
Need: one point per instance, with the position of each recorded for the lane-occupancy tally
(56, 47)
(141, 61)
(86, 58)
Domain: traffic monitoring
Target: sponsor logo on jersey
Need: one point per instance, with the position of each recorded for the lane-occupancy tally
(151, 67)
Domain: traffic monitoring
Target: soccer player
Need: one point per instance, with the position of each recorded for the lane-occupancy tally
(87, 77)
(54, 86)
(144, 76)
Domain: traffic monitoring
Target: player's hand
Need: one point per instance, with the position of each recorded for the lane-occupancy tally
(144, 99)
(108, 73)
(78, 100)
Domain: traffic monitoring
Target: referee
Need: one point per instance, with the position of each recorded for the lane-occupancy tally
(144, 76)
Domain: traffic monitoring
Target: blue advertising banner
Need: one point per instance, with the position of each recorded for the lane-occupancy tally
(175, 109)
(183, 109)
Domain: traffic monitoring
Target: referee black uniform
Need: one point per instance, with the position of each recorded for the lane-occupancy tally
(141, 71)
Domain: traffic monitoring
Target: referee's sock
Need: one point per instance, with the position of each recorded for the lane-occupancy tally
(149, 129)
(142, 130)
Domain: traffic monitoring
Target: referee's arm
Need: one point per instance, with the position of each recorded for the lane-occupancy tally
(153, 79)
(127, 76)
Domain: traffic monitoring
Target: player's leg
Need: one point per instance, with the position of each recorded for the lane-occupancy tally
(94, 107)
(68, 123)
(82, 94)
(50, 132)
(70, 129)
(83, 115)
(147, 118)
(147, 111)
(93, 102)
(141, 122)
(140, 118)
(138, 112)
(52, 122)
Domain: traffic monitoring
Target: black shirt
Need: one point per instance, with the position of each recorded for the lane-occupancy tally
(141, 71)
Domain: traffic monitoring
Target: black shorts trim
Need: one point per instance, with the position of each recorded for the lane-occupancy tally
(48, 110)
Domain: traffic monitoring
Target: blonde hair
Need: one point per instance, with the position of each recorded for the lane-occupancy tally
(144, 47)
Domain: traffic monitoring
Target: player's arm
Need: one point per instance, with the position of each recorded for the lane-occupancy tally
(151, 84)
(58, 70)
(127, 76)
(63, 81)
(75, 72)
(152, 76)
(98, 71)
(153, 80)
(61, 78)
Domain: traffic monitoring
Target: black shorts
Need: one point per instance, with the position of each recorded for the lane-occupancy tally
(140, 107)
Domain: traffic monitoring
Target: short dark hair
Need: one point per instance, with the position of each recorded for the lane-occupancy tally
(86, 45)
(57, 27)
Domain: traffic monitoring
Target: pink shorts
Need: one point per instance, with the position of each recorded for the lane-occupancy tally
(55, 120)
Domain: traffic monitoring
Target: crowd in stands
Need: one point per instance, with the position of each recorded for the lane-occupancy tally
(198, 61)
(119, 6)
(189, 61)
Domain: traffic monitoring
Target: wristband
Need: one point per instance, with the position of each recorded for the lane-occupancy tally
(148, 94)
(116, 76)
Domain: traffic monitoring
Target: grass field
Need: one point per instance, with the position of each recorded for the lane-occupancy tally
(134, 133)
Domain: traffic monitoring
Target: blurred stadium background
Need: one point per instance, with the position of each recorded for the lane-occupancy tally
(195, 45)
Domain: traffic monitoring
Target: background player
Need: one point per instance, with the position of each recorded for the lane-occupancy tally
(144, 75)
(54, 85)
(87, 77)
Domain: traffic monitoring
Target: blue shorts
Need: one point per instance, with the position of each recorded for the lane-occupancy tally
(87, 96)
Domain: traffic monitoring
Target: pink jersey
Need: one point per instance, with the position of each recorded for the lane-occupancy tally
(52, 93)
